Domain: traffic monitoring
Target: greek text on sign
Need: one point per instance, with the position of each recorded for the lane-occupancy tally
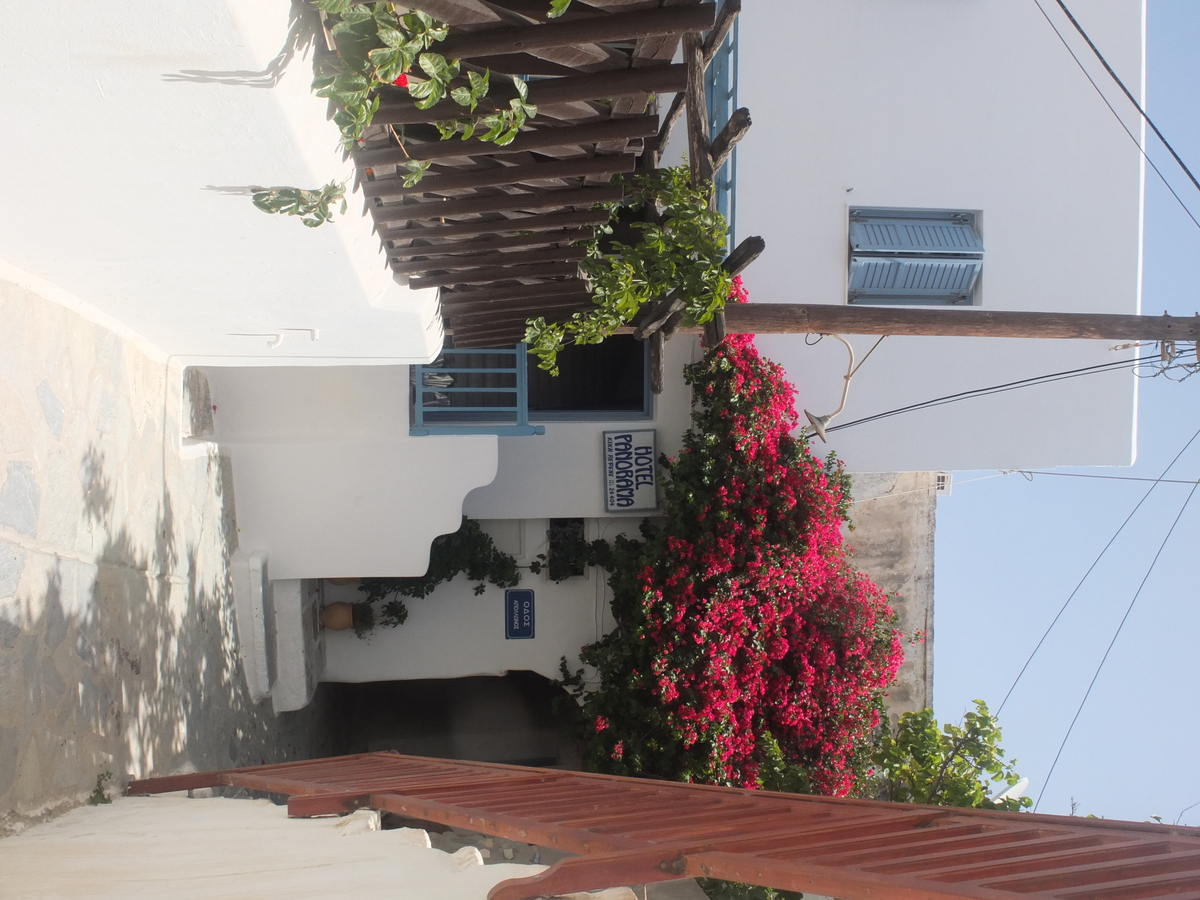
(629, 471)
(518, 615)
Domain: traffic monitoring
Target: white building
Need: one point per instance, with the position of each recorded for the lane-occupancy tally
(129, 204)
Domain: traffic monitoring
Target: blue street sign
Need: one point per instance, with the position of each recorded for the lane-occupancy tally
(518, 614)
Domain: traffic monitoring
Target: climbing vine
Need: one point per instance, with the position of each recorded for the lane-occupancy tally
(378, 47)
(680, 246)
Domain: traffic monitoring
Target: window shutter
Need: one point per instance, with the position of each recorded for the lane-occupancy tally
(902, 234)
(875, 279)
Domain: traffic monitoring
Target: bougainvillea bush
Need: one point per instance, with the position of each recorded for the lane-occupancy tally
(748, 651)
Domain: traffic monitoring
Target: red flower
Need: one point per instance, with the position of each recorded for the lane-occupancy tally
(742, 618)
(402, 81)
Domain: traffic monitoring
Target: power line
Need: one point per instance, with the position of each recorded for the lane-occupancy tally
(1111, 643)
(1117, 115)
(1095, 563)
(1109, 69)
(1105, 477)
(1050, 378)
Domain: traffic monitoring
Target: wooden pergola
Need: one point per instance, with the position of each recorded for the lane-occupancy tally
(631, 831)
(494, 227)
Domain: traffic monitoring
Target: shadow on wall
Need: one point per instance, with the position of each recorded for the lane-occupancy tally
(302, 33)
(129, 662)
(503, 719)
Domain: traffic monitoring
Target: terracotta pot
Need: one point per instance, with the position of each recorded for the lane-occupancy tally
(337, 616)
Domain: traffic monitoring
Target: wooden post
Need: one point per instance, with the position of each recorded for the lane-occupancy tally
(697, 110)
(735, 129)
(720, 30)
(796, 318)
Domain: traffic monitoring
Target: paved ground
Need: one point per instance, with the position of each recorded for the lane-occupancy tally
(117, 642)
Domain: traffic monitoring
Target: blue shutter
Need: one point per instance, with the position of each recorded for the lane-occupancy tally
(901, 234)
(912, 280)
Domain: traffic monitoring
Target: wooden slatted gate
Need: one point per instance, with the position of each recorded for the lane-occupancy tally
(634, 831)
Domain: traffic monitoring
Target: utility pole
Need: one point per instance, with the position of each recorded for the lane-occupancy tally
(798, 318)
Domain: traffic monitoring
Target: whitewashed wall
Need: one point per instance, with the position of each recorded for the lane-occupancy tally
(128, 143)
(453, 633)
(948, 104)
(327, 479)
(146, 848)
(561, 472)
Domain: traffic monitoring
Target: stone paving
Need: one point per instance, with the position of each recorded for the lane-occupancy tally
(117, 642)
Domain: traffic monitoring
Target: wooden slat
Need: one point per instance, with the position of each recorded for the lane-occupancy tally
(456, 12)
(571, 89)
(589, 873)
(491, 295)
(517, 310)
(615, 27)
(640, 830)
(568, 56)
(450, 250)
(502, 175)
(540, 139)
(435, 209)
(848, 884)
(1070, 874)
(498, 226)
(528, 830)
(1133, 888)
(902, 858)
(498, 273)
(528, 257)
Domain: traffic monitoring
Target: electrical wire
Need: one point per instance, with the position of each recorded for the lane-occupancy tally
(1050, 378)
(1105, 477)
(1095, 563)
(1116, 634)
(1117, 115)
(1121, 84)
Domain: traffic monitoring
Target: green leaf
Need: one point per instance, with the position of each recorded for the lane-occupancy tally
(557, 8)
(462, 96)
(335, 7)
(522, 87)
(416, 169)
(393, 37)
(419, 90)
(356, 13)
(434, 65)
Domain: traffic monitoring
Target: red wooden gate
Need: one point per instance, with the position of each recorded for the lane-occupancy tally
(634, 831)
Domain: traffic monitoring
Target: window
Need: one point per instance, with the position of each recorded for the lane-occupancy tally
(597, 382)
(914, 256)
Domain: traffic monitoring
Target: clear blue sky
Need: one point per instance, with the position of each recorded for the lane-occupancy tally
(1009, 551)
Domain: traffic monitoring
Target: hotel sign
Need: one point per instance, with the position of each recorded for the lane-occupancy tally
(630, 483)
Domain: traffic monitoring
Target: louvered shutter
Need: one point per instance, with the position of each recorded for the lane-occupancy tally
(876, 279)
(898, 234)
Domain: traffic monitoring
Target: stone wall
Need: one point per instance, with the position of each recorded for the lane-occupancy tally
(894, 515)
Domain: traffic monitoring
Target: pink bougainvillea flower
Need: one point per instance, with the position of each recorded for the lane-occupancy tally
(746, 636)
(402, 81)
